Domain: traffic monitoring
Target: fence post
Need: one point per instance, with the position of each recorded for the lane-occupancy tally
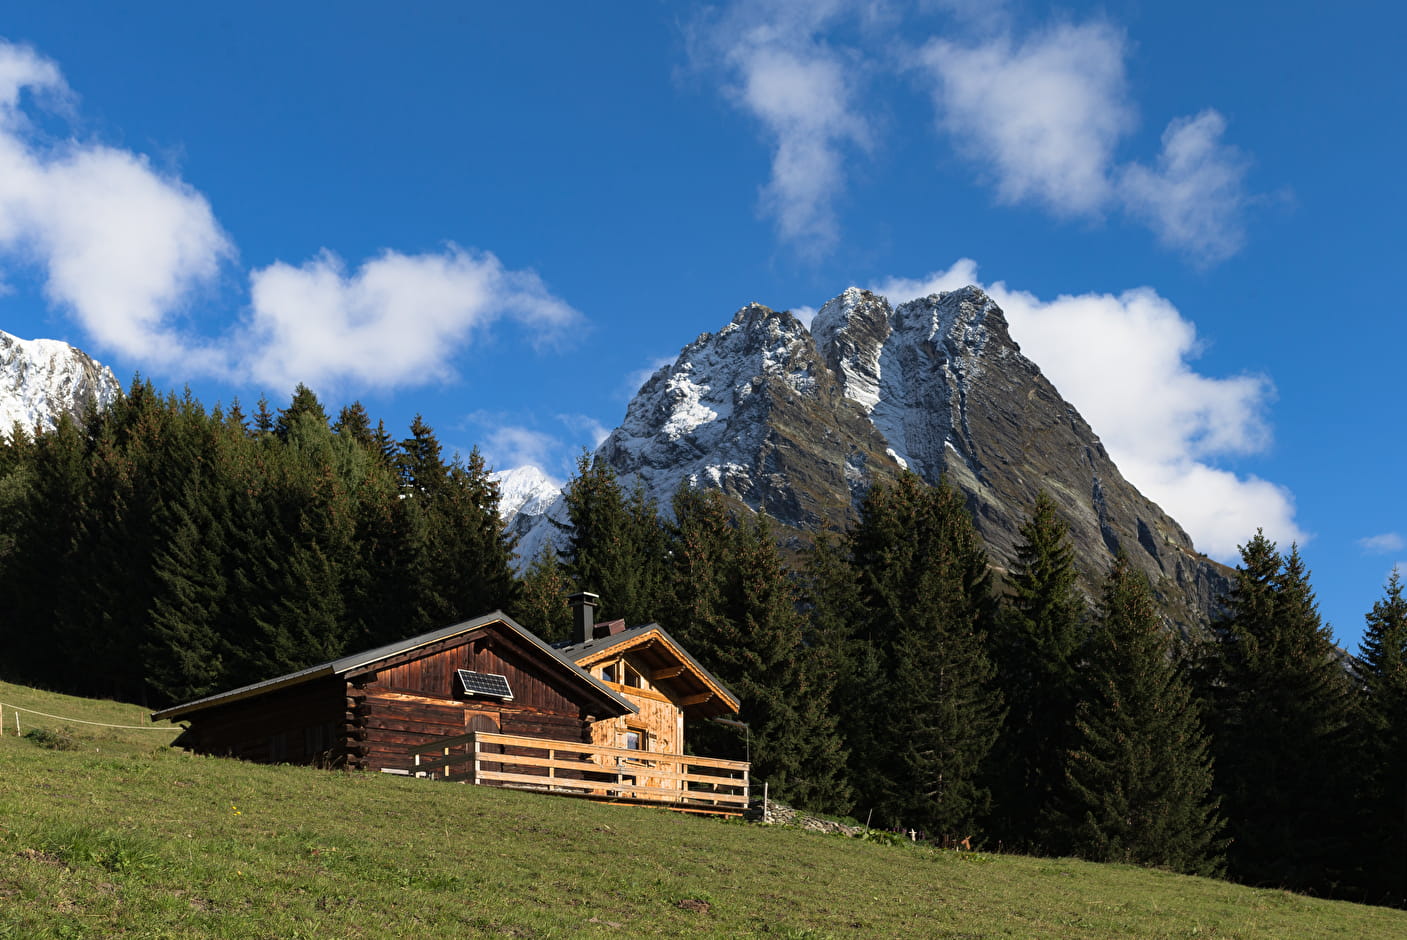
(477, 751)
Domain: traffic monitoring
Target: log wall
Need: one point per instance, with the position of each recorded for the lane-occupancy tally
(304, 724)
(417, 699)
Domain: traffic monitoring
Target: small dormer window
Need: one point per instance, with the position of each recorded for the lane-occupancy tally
(610, 671)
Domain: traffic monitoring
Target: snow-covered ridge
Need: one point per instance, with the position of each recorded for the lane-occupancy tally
(41, 379)
(699, 419)
(526, 490)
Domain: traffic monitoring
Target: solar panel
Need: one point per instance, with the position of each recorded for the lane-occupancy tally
(485, 683)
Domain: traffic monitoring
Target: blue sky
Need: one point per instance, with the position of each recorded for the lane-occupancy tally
(502, 218)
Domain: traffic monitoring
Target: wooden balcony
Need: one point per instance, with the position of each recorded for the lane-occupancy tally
(610, 774)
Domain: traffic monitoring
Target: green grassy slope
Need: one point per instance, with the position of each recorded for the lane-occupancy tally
(123, 837)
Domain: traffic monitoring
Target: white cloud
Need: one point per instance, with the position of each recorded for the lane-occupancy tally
(1384, 544)
(124, 248)
(119, 244)
(1125, 362)
(803, 92)
(397, 320)
(804, 314)
(1194, 199)
(585, 426)
(1046, 114)
(634, 381)
(1044, 117)
(510, 446)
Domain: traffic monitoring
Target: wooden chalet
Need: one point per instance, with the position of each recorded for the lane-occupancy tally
(488, 702)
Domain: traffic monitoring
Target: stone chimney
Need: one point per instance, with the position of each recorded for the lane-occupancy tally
(583, 607)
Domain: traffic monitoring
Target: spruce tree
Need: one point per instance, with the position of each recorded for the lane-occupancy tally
(1281, 712)
(1383, 673)
(542, 601)
(615, 545)
(1040, 633)
(183, 646)
(932, 716)
(1138, 777)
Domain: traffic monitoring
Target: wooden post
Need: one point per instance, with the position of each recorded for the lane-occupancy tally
(478, 749)
(446, 764)
(551, 771)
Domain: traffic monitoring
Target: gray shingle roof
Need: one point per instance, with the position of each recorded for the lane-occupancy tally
(354, 661)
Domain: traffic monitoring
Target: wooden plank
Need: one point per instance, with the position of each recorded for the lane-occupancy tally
(612, 772)
(655, 794)
(633, 770)
(543, 743)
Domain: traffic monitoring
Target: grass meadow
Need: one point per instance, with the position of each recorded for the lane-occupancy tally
(114, 834)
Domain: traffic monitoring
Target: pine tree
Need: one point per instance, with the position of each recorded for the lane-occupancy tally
(1138, 778)
(615, 545)
(477, 576)
(1383, 671)
(542, 602)
(183, 645)
(1281, 712)
(1040, 634)
(786, 693)
(304, 402)
(931, 718)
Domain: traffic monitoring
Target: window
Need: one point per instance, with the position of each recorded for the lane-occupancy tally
(608, 672)
(632, 677)
(635, 739)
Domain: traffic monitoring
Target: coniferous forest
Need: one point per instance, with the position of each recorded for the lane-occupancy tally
(160, 551)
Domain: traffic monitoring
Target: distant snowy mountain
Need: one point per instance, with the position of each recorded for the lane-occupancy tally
(525, 490)
(41, 379)
(528, 498)
(800, 422)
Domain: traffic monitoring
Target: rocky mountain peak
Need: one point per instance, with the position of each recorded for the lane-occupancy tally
(42, 379)
(800, 423)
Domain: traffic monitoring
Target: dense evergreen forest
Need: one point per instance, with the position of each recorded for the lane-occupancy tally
(160, 551)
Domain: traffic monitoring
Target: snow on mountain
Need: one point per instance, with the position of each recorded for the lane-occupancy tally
(41, 379)
(528, 500)
(800, 422)
(525, 489)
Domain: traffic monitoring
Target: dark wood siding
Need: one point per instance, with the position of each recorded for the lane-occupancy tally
(370, 717)
(432, 673)
(416, 698)
(303, 724)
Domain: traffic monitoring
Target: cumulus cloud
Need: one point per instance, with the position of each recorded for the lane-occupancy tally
(510, 446)
(1043, 113)
(1194, 199)
(1126, 362)
(1045, 116)
(803, 92)
(397, 319)
(124, 247)
(804, 314)
(1384, 544)
(586, 428)
(119, 244)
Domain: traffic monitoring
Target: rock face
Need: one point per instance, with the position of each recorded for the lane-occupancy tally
(754, 411)
(42, 379)
(951, 393)
(800, 423)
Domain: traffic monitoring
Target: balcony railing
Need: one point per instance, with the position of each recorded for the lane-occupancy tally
(616, 774)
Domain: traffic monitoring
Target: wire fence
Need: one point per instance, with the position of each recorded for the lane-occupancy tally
(78, 721)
